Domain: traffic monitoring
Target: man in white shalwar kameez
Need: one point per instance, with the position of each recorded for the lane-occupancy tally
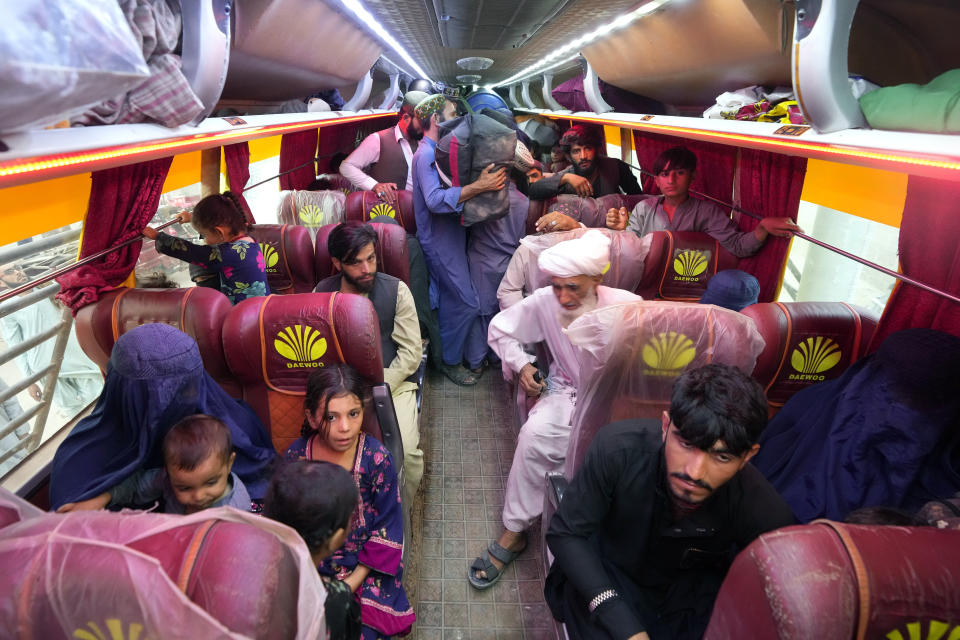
(576, 268)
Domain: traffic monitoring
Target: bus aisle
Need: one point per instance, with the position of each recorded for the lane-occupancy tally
(468, 435)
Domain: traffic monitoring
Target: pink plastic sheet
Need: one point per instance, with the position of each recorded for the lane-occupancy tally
(634, 352)
(77, 575)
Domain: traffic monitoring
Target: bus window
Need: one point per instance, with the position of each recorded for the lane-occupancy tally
(76, 380)
(264, 198)
(814, 273)
(153, 266)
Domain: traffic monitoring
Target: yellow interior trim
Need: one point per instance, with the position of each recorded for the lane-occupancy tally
(31, 209)
(264, 148)
(874, 194)
(612, 136)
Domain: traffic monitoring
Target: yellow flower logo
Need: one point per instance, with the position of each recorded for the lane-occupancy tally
(936, 630)
(605, 269)
(270, 255)
(669, 350)
(690, 263)
(115, 629)
(382, 209)
(311, 215)
(815, 355)
(300, 344)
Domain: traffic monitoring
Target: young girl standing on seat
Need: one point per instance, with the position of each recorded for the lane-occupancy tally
(229, 250)
(370, 561)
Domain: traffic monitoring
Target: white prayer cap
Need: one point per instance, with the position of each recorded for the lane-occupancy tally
(587, 255)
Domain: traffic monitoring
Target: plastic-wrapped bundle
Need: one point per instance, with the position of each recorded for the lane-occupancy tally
(468, 145)
(634, 352)
(311, 209)
(59, 57)
(136, 574)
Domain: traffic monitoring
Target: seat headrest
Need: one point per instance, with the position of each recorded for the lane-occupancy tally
(680, 264)
(366, 206)
(807, 343)
(311, 209)
(288, 255)
(393, 253)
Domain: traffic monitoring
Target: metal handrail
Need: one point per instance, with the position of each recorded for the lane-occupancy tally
(846, 254)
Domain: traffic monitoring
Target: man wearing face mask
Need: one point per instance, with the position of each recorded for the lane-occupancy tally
(655, 514)
(576, 268)
(383, 163)
(590, 174)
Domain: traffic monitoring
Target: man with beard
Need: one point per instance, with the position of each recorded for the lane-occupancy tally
(652, 519)
(444, 241)
(387, 155)
(589, 174)
(352, 247)
(576, 268)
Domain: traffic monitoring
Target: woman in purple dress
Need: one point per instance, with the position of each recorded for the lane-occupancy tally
(370, 561)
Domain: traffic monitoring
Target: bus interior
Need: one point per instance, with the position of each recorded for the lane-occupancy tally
(840, 114)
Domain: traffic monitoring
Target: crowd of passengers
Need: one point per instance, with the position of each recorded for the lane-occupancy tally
(653, 516)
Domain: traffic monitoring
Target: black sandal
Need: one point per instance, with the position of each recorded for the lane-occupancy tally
(492, 572)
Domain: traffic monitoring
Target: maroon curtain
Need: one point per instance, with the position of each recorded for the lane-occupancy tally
(342, 138)
(297, 149)
(928, 253)
(770, 186)
(715, 163)
(123, 200)
(237, 158)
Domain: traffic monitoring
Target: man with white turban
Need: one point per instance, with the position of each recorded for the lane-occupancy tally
(576, 268)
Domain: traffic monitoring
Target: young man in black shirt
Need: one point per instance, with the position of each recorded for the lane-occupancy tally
(657, 511)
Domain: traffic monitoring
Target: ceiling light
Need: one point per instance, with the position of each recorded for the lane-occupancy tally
(575, 46)
(474, 63)
(468, 78)
(367, 18)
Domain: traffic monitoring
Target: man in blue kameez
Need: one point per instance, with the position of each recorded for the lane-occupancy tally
(444, 243)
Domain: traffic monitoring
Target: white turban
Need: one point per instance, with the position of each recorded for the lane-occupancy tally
(587, 255)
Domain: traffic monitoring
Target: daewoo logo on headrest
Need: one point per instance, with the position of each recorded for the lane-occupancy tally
(270, 256)
(382, 209)
(302, 345)
(813, 356)
(114, 625)
(935, 630)
(312, 215)
(690, 263)
(667, 353)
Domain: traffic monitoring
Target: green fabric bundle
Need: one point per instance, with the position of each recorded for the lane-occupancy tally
(932, 108)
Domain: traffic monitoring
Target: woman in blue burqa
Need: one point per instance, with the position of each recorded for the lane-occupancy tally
(155, 377)
(885, 433)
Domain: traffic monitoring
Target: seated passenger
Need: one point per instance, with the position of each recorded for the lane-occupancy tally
(731, 289)
(155, 377)
(589, 174)
(219, 219)
(654, 516)
(317, 499)
(576, 268)
(883, 433)
(196, 475)
(352, 247)
(675, 210)
(370, 561)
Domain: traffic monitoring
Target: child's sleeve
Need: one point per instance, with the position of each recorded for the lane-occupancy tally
(203, 255)
(140, 488)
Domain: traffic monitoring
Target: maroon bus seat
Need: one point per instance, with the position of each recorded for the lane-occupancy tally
(288, 254)
(807, 343)
(273, 343)
(311, 209)
(680, 263)
(834, 581)
(365, 206)
(591, 212)
(393, 255)
(197, 311)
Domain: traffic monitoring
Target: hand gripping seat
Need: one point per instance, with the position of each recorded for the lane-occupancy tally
(104, 574)
(288, 253)
(591, 212)
(197, 311)
(311, 209)
(835, 581)
(807, 343)
(680, 263)
(273, 343)
(365, 206)
(393, 256)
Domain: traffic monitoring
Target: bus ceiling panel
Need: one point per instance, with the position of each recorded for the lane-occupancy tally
(927, 154)
(286, 49)
(687, 53)
(206, 49)
(493, 24)
(34, 156)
